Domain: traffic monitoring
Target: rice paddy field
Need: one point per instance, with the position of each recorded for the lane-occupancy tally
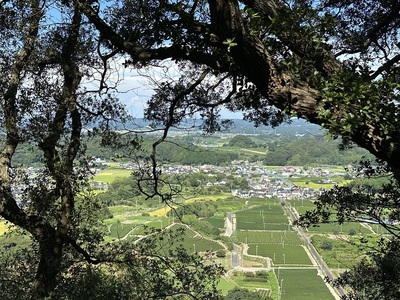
(286, 249)
(216, 221)
(270, 237)
(283, 255)
(283, 247)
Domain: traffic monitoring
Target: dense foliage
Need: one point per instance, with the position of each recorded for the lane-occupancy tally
(244, 294)
(201, 209)
(304, 152)
(242, 141)
(151, 269)
(282, 151)
(334, 63)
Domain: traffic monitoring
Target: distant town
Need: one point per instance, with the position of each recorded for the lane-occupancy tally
(263, 181)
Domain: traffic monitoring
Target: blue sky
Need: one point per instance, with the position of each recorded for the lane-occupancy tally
(136, 90)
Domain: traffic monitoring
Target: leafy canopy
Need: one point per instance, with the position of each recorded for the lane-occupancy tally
(334, 63)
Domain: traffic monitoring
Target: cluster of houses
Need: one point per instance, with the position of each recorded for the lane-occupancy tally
(278, 188)
(263, 181)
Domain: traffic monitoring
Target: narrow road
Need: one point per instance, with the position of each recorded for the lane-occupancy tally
(236, 261)
(229, 226)
(235, 256)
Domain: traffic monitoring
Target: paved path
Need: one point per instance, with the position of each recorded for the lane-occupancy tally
(236, 260)
(229, 224)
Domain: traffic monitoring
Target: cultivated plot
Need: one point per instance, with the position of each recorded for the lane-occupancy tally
(266, 217)
(282, 254)
(302, 284)
(111, 173)
(270, 237)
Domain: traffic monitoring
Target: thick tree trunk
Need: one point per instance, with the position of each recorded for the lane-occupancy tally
(51, 239)
(284, 91)
(49, 265)
(61, 169)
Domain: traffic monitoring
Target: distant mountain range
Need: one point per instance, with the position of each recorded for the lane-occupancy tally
(297, 127)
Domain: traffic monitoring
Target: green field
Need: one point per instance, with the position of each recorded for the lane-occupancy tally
(316, 183)
(263, 225)
(272, 237)
(283, 247)
(111, 173)
(193, 242)
(282, 254)
(266, 217)
(243, 281)
(225, 285)
(331, 228)
(344, 254)
(119, 230)
(335, 228)
(217, 221)
(302, 284)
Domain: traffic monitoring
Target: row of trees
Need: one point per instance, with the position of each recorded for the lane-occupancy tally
(327, 61)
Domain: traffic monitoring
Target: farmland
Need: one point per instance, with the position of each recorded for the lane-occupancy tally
(302, 284)
(3, 227)
(111, 173)
(282, 246)
(263, 232)
(263, 237)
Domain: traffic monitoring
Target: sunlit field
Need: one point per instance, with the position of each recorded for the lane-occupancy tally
(161, 212)
(3, 227)
(302, 284)
(110, 174)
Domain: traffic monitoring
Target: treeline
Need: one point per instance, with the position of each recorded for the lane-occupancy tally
(312, 151)
(124, 190)
(187, 154)
(30, 155)
(201, 209)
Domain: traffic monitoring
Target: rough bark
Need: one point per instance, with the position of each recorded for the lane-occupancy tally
(287, 93)
(61, 168)
(8, 206)
(284, 91)
(51, 239)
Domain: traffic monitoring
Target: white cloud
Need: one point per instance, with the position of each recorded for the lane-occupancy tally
(135, 87)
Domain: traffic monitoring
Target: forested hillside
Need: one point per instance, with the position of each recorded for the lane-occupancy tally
(197, 149)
